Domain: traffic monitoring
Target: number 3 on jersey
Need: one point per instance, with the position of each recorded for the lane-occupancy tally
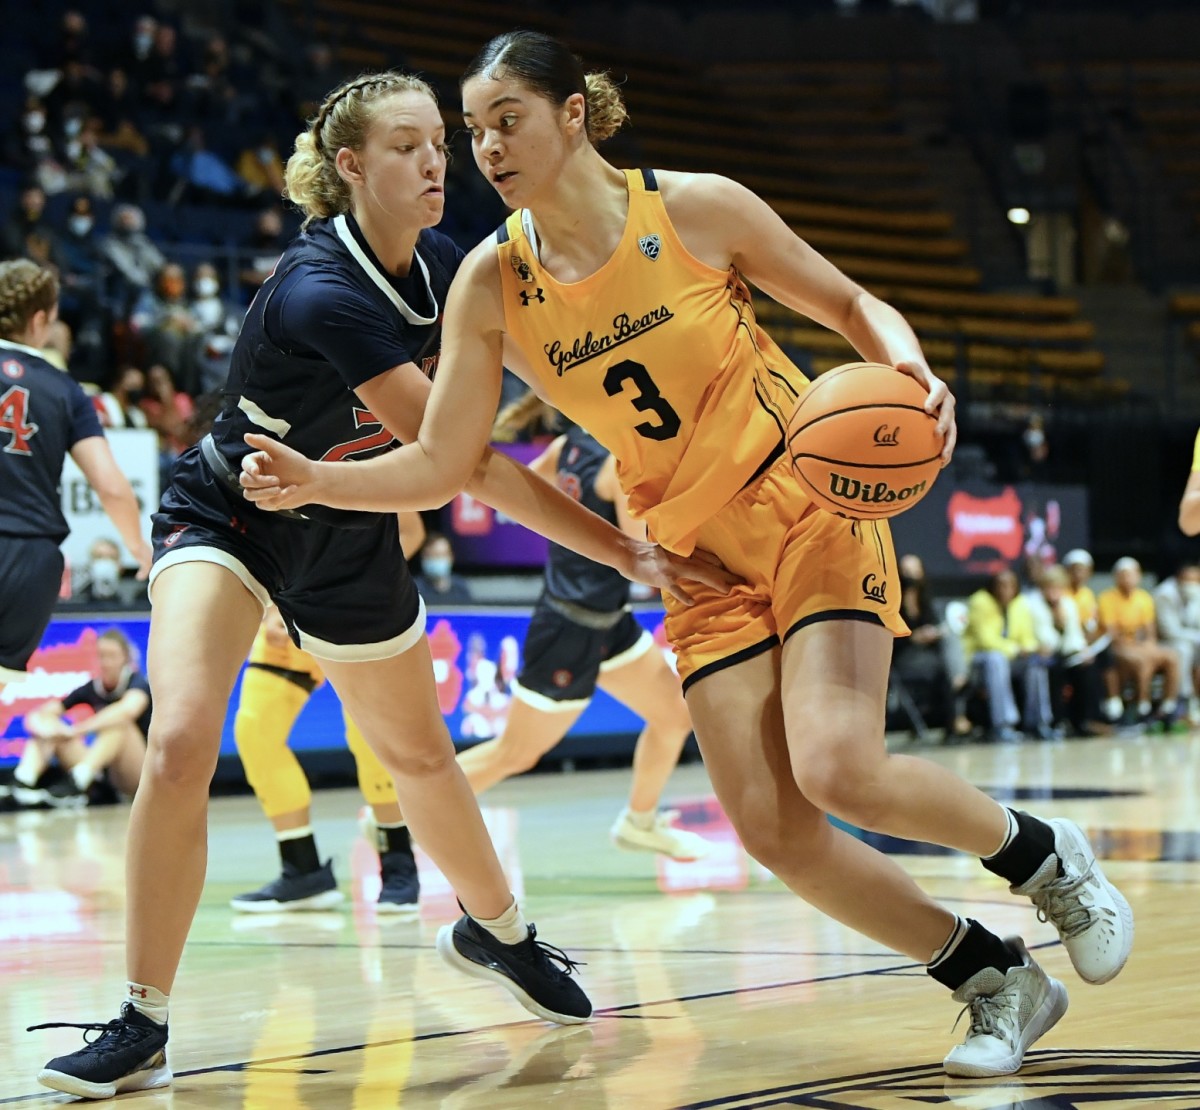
(648, 399)
(14, 410)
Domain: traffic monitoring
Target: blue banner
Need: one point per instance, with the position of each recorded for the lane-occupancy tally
(476, 654)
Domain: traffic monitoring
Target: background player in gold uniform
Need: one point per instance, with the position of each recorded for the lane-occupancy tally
(276, 685)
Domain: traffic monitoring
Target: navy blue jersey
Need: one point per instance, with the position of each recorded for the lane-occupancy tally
(98, 697)
(43, 414)
(570, 576)
(327, 320)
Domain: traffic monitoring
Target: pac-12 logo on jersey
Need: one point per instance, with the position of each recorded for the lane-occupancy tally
(650, 246)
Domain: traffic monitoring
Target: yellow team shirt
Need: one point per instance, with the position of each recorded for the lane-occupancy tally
(1126, 617)
(289, 657)
(1196, 453)
(660, 357)
(990, 628)
(1085, 602)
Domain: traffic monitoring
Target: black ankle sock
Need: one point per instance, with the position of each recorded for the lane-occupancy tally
(1019, 862)
(394, 839)
(978, 949)
(301, 854)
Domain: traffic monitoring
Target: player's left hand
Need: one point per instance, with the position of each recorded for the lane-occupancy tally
(939, 403)
(276, 477)
(655, 566)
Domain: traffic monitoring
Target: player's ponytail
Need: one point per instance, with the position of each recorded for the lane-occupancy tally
(606, 112)
(545, 66)
(311, 180)
(25, 289)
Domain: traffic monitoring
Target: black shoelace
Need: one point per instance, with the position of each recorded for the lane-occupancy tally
(122, 1030)
(551, 955)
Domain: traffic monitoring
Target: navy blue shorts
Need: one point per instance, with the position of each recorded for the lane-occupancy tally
(31, 569)
(562, 659)
(344, 593)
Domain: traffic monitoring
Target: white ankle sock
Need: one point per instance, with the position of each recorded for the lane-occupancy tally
(83, 775)
(1144, 708)
(1009, 834)
(952, 942)
(1169, 706)
(641, 818)
(21, 780)
(295, 834)
(149, 1001)
(509, 927)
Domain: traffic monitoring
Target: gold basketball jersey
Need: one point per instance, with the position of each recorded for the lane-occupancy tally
(660, 357)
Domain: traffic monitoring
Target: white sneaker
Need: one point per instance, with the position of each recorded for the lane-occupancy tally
(1009, 1011)
(661, 837)
(1092, 917)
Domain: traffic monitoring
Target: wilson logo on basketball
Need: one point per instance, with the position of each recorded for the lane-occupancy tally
(877, 493)
(887, 437)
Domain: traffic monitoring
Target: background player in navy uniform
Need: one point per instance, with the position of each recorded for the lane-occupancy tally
(330, 359)
(119, 695)
(44, 415)
(582, 635)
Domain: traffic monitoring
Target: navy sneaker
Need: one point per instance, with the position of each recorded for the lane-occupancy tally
(538, 975)
(129, 1055)
(401, 886)
(293, 890)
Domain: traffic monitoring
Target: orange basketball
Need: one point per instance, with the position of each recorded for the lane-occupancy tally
(862, 443)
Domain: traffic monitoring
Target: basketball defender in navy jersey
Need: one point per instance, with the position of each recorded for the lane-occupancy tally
(334, 359)
(44, 416)
(582, 636)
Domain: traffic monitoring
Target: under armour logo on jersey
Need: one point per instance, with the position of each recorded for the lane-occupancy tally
(522, 268)
(526, 297)
(650, 246)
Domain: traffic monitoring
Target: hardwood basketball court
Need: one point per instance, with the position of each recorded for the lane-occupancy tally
(714, 986)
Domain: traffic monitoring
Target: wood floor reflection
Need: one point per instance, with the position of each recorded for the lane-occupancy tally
(714, 986)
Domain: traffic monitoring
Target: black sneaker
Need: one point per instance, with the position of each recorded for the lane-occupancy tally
(129, 1055)
(293, 890)
(63, 793)
(529, 971)
(401, 886)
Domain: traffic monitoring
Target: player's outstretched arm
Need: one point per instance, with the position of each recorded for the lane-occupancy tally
(95, 458)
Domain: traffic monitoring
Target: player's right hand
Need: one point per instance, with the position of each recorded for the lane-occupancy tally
(144, 555)
(276, 477)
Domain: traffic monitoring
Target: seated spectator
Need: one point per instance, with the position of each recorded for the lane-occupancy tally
(98, 583)
(1177, 605)
(1128, 616)
(90, 168)
(1074, 676)
(167, 412)
(219, 321)
(163, 320)
(131, 253)
(120, 697)
(28, 218)
(1002, 649)
(119, 406)
(261, 168)
(264, 249)
(437, 583)
(202, 175)
(922, 660)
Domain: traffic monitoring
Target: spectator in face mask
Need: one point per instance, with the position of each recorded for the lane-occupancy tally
(1177, 606)
(437, 583)
(118, 408)
(219, 322)
(131, 253)
(170, 333)
(102, 576)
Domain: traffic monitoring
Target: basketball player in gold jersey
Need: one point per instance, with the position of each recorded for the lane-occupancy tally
(1189, 503)
(278, 680)
(621, 297)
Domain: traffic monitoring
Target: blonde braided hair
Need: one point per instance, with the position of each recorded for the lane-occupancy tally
(25, 289)
(311, 180)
